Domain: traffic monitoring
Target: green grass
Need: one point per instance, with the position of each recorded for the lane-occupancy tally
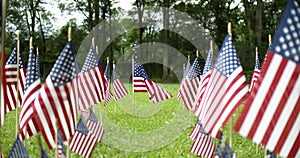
(140, 130)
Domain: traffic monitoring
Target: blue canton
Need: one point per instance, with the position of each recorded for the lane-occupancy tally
(227, 60)
(187, 68)
(18, 150)
(81, 127)
(31, 74)
(139, 71)
(208, 63)
(37, 64)
(257, 64)
(286, 42)
(13, 58)
(107, 71)
(91, 61)
(115, 74)
(60, 141)
(64, 69)
(93, 117)
(195, 70)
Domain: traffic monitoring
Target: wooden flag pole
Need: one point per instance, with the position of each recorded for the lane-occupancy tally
(270, 39)
(230, 121)
(68, 141)
(197, 53)
(18, 78)
(93, 42)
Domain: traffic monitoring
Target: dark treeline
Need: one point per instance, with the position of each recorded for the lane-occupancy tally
(252, 20)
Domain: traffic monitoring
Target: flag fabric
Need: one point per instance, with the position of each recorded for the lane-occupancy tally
(32, 87)
(91, 82)
(12, 80)
(57, 99)
(95, 126)
(203, 144)
(203, 83)
(119, 88)
(197, 128)
(108, 94)
(61, 151)
(223, 149)
(255, 73)
(185, 71)
(43, 152)
(190, 85)
(3, 94)
(271, 116)
(226, 89)
(156, 93)
(83, 142)
(138, 81)
(18, 150)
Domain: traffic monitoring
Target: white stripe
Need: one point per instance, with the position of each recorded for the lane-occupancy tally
(274, 102)
(259, 97)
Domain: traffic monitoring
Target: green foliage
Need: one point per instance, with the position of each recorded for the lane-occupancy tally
(177, 148)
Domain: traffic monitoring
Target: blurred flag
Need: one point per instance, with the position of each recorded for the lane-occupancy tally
(3, 94)
(156, 93)
(83, 142)
(119, 88)
(61, 151)
(28, 124)
(56, 101)
(271, 116)
(95, 126)
(226, 89)
(108, 94)
(190, 85)
(18, 150)
(255, 73)
(185, 71)
(203, 143)
(138, 80)
(203, 83)
(223, 149)
(12, 81)
(91, 82)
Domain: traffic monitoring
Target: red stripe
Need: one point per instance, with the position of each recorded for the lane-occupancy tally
(296, 146)
(267, 99)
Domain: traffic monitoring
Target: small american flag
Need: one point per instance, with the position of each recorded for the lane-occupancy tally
(203, 84)
(61, 151)
(119, 88)
(226, 89)
(271, 116)
(83, 142)
(156, 93)
(137, 79)
(185, 72)
(255, 72)
(203, 143)
(18, 150)
(28, 126)
(11, 80)
(56, 101)
(91, 81)
(95, 126)
(190, 85)
(108, 94)
(3, 94)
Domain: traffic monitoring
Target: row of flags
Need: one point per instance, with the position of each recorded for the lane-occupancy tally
(271, 115)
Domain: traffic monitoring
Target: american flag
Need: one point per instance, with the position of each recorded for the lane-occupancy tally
(108, 94)
(190, 85)
(223, 149)
(91, 81)
(156, 93)
(226, 89)
(271, 116)
(203, 83)
(83, 142)
(57, 98)
(28, 126)
(255, 72)
(43, 152)
(119, 88)
(3, 94)
(12, 81)
(18, 150)
(137, 79)
(185, 71)
(61, 151)
(203, 143)
(95, 126)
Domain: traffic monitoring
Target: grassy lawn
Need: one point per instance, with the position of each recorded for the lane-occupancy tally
(142, 129)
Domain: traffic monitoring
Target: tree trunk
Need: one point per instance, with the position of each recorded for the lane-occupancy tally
(259, 23)
(140, 8)
(90, 13)
(166, 24)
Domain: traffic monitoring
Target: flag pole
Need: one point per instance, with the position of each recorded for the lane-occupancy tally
(231, 121)
(18, 77)
(197, 53)
(212, 48)
(115, 103)
(132, 67)
(270, 39)
(69, 40)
